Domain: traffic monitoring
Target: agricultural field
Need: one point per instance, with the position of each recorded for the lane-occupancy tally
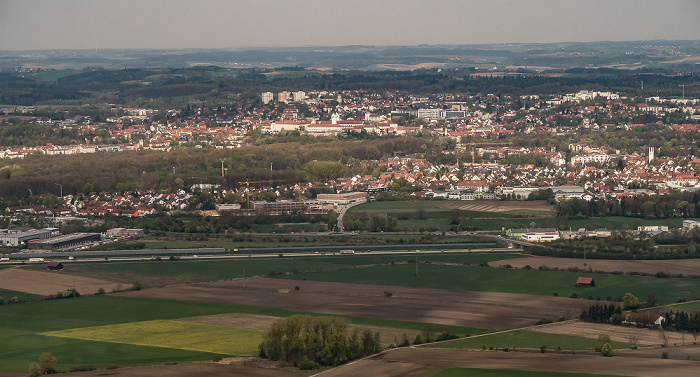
(191, 310)
(525, 339)
(492, 215)
(686, 306)
(421, 361)
(644, 337)
(476, 372)
(152, 273)
(466, 312)
(21, 341)
(532, 282)
(8, 294)
(223, 340)
(670, 267)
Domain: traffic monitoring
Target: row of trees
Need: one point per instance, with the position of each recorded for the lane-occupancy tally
(602, 314)
(681, 321)
(373, 223)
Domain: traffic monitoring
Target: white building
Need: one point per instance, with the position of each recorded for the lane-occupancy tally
(598, 158)
(540, 235)
(267, 97)
(298, 96)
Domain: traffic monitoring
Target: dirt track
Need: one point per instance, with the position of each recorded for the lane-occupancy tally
(418, 362)
(49, 282)
(485, 310)
(673, 267)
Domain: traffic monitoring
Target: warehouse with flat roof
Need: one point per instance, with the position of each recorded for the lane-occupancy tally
(12, 237)
(65, 241)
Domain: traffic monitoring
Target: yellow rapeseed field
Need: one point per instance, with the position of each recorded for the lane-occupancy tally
(172, 334)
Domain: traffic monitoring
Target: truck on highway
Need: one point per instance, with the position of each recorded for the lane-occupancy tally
(36, 259)
(347, 251)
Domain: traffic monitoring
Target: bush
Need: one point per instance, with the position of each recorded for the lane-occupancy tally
(388, 294)
(418, 340)
(218, 358)
(136, 286)
(543, 348)
(664, 355)
(607, 350)
(100, 291)
(306, 364)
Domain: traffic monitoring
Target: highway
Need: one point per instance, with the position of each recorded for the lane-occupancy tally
(243, 255)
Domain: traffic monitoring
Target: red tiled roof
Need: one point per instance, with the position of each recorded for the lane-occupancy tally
(583, 280)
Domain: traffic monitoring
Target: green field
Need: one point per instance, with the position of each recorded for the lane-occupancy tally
(524, 339)
(7, 294)
(475, 372)
(172, 334)
(211, 270)
(533, 281)
(21, 339)
(20, 343)
(686, 306)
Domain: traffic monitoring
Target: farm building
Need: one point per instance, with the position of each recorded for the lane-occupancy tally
(585, 282)
(54, 266)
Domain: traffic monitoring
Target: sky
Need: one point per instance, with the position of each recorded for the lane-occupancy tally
(174, 24)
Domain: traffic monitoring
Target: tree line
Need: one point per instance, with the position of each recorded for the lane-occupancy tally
(670, 206)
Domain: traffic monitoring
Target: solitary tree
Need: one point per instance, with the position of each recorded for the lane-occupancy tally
(47, 361)
(630, 301)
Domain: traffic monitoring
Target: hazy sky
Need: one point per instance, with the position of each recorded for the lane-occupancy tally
(72, 24)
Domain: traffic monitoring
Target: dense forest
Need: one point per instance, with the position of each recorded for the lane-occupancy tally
(137, 86)
(297, 160)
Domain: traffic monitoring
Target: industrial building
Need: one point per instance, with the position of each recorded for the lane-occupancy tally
(344, 198)
(65, 241)
(123, 232)
(17, 237)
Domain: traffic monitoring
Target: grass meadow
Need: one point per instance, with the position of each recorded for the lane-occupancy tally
(476, 372)
(487, 279)
(524, 339)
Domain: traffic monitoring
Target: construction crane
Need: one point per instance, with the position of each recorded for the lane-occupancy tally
(684, 85)
(247, 184)
(486, 143)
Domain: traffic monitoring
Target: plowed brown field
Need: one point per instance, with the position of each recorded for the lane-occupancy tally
(671, 267)
(486, 310)
(50, 282)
